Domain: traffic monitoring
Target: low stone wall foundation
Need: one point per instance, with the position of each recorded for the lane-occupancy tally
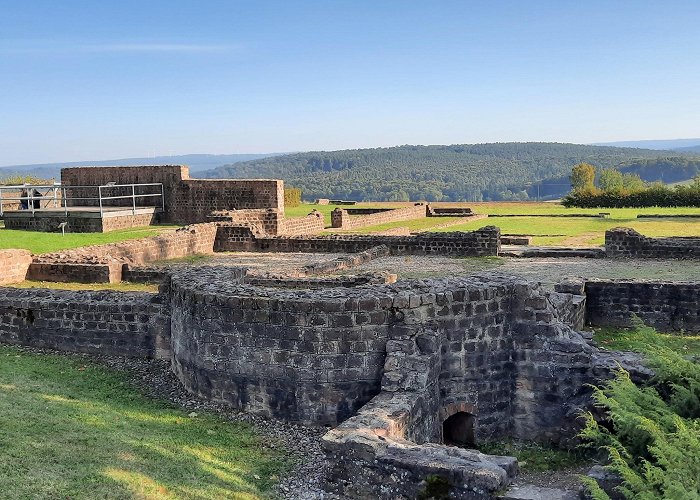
(628, 243)
(14, 265)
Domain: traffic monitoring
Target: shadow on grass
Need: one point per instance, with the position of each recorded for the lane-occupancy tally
(75, 430)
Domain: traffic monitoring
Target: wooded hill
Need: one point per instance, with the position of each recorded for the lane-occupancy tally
(468, 172)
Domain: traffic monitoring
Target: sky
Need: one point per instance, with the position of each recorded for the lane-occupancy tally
(84, 80)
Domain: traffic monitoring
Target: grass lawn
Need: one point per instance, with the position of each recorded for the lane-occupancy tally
(71, 429)
(639, 339)
(123, 286)
(39, 242)
(551, 231)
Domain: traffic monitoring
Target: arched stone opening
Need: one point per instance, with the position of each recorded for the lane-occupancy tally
(458, 430)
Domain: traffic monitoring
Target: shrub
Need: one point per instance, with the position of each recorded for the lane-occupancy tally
(654, 195)
(651, 433)
(15, 180)
(292, 197)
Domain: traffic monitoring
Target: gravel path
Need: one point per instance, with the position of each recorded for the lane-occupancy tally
(545, 270)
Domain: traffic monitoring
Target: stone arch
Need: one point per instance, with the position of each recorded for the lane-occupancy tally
(458, 425)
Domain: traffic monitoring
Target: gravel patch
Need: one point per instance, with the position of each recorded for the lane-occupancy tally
(278, 263)
(548, 270)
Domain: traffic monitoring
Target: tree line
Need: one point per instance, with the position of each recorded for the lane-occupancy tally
(476, 172)
(610, 188)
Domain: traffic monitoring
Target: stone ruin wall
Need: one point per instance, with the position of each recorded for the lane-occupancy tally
(271, 222)
(355, 218)
(624, 242)
(104, 263)
(77, 223)
(14, 265)
(481, 242)
(389, 363)
(186, 200)
(667, 306)
(414, 353)
(490, 347)
(97, 322)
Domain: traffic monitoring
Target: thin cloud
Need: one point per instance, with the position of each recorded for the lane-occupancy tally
(9, 47)
(159, 47)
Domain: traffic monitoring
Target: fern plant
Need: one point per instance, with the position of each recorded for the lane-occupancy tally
(652, 433)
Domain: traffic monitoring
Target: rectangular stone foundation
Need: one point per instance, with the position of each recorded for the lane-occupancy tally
(80, 219)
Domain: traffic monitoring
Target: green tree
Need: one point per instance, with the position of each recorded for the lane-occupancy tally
(582, 177)
(610, 180)
(632, 182)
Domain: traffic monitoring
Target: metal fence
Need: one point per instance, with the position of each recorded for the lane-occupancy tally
(33, 197)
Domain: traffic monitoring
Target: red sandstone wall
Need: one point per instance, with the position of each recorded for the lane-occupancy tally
(342, 219)
(13, 265)
(311, 224)
(187, 200)
(103, 263)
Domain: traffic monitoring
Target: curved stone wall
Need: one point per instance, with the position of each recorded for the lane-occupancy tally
(303, 355)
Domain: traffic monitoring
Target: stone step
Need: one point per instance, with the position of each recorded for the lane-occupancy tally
(532, 492)
(530, 252)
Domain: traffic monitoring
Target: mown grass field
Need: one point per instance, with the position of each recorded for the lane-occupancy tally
(567, 231)
(123, 286)
(72, 429)
(39, 242)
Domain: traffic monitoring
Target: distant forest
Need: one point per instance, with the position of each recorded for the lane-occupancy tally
(476, 172)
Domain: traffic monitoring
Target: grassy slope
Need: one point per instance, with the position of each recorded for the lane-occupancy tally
(69, 429)
(631, 339)
(554, 231)
(39, 242)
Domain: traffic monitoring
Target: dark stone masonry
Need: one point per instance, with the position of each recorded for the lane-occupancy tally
(479, 243)
(667, 306)
(402, 368)
(628, 243)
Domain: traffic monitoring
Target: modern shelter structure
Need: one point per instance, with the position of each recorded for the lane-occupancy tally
(101, 199)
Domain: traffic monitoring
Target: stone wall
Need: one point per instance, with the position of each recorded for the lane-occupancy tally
(104, 263)
(392, 363)
(78, 222)
(14, 265)
(628, 243)
(301, 355)
(482, 242)
(356, 218)
(104, 322)
(270, 222)
(667, 306)
(186, 200)
(491, 348)
(312, 223)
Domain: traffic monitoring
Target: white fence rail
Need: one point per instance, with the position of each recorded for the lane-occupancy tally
(33, 197)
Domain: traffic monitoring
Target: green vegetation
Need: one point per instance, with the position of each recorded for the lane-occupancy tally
(574, 231)
(17, 179)
(39, 242)
(641, 338)
(292, 197)
(617, 189)
(536, 457)
(72, 429)
(123, 286)
(467, 172)
(651, 433)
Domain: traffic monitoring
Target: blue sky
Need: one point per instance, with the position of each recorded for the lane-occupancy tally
(92, 80)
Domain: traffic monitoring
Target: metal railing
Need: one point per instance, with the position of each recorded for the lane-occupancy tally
(30, 197)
